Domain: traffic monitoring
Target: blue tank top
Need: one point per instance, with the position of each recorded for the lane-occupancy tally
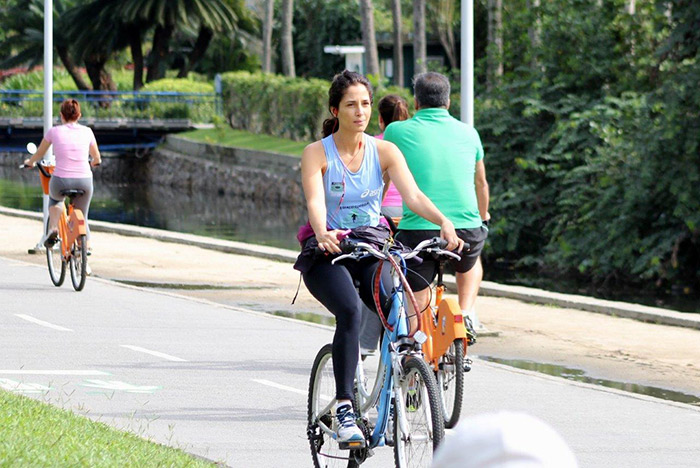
(352, 198)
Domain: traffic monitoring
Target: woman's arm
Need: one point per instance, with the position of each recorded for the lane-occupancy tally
(95, 153)
(40, 152)
(394, 163)
(313, 162)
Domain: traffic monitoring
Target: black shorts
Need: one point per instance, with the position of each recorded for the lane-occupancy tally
(420, 275)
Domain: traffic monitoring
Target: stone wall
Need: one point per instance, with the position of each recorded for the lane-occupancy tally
(199, 167)
(195, 166)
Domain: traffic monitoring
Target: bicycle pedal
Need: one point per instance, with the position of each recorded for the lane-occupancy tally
(352, 445)
(467, 364)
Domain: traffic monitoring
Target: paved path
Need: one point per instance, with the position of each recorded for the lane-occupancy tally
(230, 384)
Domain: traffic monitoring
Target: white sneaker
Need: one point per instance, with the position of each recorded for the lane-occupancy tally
(347, 429)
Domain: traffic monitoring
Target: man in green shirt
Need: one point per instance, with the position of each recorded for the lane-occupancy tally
(446, 158)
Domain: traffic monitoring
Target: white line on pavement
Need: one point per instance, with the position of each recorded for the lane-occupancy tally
(280, 386)
(52, 372)
(154, 353)
(29, 318)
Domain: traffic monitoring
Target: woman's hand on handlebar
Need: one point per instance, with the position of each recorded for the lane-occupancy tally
(447, 232)
(28, 163)
(329, 242)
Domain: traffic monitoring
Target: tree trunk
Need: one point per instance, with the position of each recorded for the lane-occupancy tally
(494, 54)
(534, 31)
(161, 41)
(444, 18)
(137, 56)
(631, 7)
(267, 36)
(100, 77)
(420, 57)
(72, 69)
(398, 43)
(368, 38)
(200, 47)
(287, 41)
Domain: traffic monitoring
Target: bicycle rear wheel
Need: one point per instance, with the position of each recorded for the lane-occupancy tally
(419, 414)
(78, 263)
(57, 265)
(325, 451)
(450, 382)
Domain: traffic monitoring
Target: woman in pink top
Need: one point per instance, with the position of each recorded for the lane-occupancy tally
(72, 145)
(391, 108)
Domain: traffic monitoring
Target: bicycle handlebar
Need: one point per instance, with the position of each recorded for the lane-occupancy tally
(350, 249)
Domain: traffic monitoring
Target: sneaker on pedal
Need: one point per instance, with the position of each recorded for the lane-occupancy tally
(471, 333)
(349, 435)
(51, 239)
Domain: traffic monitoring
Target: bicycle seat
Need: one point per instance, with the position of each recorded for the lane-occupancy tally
(72, 193)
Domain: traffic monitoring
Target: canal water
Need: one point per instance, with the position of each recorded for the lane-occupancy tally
(229, 217)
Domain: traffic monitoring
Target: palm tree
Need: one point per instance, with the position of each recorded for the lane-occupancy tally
(494, 51)
(167, 15)
(398, 42)
(287, 43)
(442, 14)
(23, 25)
(368, 37)
(420, 56)
(268, 19)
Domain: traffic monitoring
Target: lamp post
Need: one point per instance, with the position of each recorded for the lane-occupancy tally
(48, 105)
(467, 59)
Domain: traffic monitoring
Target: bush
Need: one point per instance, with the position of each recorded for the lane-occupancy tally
(276, 105)
(198, 109)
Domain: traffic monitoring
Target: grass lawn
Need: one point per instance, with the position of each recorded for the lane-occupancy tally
(38, 434)
(244, 139)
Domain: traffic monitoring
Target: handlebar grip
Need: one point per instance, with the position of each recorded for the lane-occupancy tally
(347, 245)
(439, 242)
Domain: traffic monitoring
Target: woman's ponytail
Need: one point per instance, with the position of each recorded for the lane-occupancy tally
(330, 126)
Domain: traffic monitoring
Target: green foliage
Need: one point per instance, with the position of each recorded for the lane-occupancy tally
(193, 108)
(33, 433)
(318, 23)
(587, 177)
(264, 103)
(287, 107)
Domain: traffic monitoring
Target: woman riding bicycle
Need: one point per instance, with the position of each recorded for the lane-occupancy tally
(342, 181)
(72, 145)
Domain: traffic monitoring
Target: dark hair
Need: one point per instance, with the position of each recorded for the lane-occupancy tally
(392, 107)
(341, 82)
(70, 110)
(431, 89)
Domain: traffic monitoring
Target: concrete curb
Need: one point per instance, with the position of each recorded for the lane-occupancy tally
(532, 295)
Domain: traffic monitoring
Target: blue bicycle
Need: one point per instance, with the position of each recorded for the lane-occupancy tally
(402, 407)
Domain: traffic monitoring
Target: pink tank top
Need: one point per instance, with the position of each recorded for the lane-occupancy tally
(71, 145)
(392, 197)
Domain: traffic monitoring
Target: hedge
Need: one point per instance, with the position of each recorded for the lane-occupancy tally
(286, 107)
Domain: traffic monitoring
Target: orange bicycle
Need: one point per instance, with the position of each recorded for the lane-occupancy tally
(71, 245)
(445, 348)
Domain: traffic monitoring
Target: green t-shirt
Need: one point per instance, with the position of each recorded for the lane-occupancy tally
(441, 153)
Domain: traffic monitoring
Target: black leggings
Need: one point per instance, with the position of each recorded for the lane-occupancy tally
(334, 287)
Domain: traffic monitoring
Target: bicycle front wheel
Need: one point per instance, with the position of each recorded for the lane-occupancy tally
(450, 382)
(78, 263)
(418, 424)
(57, 265)
(325, 451)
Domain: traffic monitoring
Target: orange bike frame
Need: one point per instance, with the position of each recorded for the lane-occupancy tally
(71, 225)
(442, 323)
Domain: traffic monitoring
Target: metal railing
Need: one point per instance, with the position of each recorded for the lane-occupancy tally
(161, 105)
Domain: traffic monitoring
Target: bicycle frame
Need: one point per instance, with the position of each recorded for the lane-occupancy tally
(71, 225)
(443, 325)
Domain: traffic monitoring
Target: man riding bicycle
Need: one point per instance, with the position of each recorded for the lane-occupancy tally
(445, 157)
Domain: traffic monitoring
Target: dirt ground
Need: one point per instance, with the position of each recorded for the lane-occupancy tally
(605, 347)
